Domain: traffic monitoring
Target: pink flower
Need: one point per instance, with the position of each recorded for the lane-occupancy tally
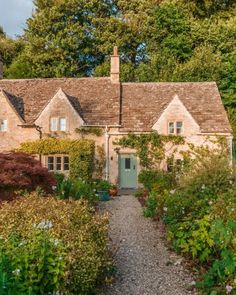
(228, 288)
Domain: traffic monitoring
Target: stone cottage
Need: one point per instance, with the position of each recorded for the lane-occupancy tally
(35, 108)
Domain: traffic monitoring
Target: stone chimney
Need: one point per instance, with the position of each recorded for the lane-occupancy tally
(115, 66)
(1, 68)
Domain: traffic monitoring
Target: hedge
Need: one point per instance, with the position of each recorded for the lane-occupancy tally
(80, 151)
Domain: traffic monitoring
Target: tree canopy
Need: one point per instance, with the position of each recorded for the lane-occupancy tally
(159, 40)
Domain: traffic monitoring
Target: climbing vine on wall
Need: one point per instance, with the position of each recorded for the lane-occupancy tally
(152, 147)
(81, 153)
(89, 130)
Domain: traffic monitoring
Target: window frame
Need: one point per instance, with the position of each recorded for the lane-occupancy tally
(3, 125)
(60, 125)
(54, 164)
(175, 127)
(57, 124)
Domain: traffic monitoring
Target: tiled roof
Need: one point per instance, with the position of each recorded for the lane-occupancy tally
(143, 103)
(97, 100)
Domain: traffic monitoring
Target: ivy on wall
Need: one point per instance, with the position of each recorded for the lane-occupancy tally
(151, 148)
(89, 130)
(81, 153)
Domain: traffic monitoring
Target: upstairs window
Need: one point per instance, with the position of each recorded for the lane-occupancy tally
(3, 125)
(175, 127)
(62, 124)
(171, 128)
(58, 124)
(179, 127)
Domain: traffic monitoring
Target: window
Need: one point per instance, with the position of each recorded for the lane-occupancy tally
(50, 163)
(58, 163)
(53, 126)
(179, 127)
(62, 124)
(66, 163)
(175, 127)
(171, 128)
(57, 124)
(127, 163)
(3, 125)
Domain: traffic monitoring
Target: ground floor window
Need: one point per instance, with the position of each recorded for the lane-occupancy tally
(58, 163)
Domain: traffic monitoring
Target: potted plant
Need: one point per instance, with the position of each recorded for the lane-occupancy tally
(113, 191)
(102, 188)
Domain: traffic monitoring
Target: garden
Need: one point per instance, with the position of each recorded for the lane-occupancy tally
(195, 201)
(53, 239)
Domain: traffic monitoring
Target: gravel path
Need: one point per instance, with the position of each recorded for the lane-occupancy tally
(144, 265)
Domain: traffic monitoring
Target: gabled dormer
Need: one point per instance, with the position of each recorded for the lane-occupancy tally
(61, 114)
(176, 120)
(9, 117)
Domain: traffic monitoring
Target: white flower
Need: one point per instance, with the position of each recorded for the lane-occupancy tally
(165, 209)
(228, 288)
(203, 186)
(210, 202)
(54, 241)
(172, 191)
(16, 271)
(44, 224)
(54, 187)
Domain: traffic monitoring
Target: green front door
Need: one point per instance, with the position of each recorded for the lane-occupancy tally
(128, 171)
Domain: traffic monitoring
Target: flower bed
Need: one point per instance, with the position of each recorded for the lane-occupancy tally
(200, 218)
(50, 245)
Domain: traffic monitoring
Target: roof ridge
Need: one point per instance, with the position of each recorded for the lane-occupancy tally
(57, 79)
(168, 83)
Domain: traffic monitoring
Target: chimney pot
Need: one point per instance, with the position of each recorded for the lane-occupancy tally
(115, 66)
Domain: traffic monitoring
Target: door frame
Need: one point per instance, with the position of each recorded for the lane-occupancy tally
(119, 169)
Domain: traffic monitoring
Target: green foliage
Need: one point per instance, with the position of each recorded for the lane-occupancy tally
(50, 245)
(201, 220)
(35, 265)
(150, 179)
(89, 130)
(102, 185)
(81, 153)
(150, 206)
(150, 147)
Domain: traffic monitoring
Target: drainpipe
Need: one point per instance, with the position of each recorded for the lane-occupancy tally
(39, 129)
(107, 153)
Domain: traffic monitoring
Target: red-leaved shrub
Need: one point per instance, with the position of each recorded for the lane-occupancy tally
(22, 171)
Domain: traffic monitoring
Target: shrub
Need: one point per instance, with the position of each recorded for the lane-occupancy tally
(67, 233)
(150, 209)
(201, 218)
(149, 178)
(20, 171)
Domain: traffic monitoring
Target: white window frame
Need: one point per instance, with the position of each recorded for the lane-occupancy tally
(53, 124)
(62, 125)
(57, 125)
(175, 127)
(3, 125)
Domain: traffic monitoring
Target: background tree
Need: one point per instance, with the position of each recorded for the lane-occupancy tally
(159, 40)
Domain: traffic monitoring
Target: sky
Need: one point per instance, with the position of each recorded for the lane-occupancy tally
(13, 14)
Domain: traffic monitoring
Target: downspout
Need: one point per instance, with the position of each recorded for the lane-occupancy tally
(39, 129)
(107, 136)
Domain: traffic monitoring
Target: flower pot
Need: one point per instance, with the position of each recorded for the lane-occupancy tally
(113, 192)
(103, 196)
